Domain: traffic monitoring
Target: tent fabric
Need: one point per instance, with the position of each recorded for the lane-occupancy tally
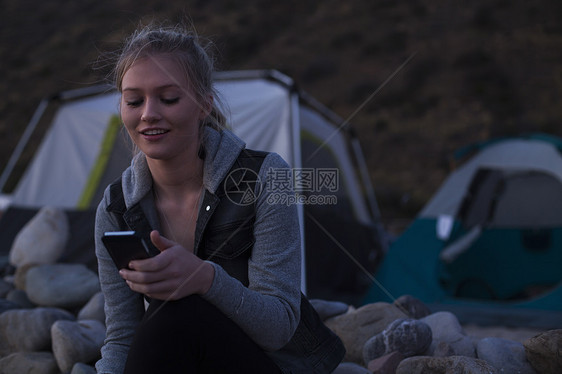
(60, 168)
(75, 162)
(511, 155)
(537, 208)
(323, 136)
(97, 171)
(257, 105)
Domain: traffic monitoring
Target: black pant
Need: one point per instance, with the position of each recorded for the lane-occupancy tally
(192, 336)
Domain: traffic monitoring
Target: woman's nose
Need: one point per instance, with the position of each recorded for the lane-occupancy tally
(150, 112)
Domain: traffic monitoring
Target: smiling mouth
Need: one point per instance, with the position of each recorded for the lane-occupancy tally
(154, 132)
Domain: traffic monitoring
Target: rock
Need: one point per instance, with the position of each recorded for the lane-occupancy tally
(445, 327)
(80, 368)
(407, 336)
(443, 349)
(544, 352)
(412, 307)
(505, 355)
(93, 309)
(20, 298)
(444, 365)
(28, 330)
(42, 240)
(21, 275)
(8, 305)
(61, 285)
(29, 362)
(5, 267)
(358, 325)
(5, 287)
(350, 368)
(76, 342)
(386, 364)
(327, 309)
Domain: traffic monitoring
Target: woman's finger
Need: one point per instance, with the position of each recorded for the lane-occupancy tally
(160, 241)
(161, 289)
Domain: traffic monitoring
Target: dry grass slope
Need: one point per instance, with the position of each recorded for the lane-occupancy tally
(481, 69)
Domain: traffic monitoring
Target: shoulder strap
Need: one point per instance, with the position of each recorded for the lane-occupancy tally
(132, 219)
(248, 162)
(252, 159)
(117, 203)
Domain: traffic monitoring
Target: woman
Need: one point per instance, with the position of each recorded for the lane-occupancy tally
(223, 284)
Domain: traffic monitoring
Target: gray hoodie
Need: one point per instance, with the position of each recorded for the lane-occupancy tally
(267, 310)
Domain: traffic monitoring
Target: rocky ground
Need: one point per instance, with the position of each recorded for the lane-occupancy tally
(517, 334)
(52, 321)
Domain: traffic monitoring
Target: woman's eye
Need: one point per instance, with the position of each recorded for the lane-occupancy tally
(134, 103)
(171, 101)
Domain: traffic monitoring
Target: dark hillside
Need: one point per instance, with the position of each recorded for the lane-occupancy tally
(481, 69)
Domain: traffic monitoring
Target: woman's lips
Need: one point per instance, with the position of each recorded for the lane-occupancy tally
(153, 134)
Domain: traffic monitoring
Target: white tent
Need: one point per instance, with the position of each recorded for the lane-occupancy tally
(83, 151)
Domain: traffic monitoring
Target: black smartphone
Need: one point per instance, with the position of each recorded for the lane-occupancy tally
(124, 246)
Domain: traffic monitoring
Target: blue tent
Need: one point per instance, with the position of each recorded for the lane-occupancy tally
(488, 245)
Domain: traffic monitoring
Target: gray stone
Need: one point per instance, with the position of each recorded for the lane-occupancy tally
(386, 364)
(6, 304)
(544, 352)
(76, 342)
(350, 368)
(445, 327)
(5, 287)
(358, 325)
(61, 285)
(20, 298)
(29, 362)
(407, 336)
(42, 240)
(28, 330)
(93, 310)
(80, 368)
(443, 349)
(21, 275)
(445, 365)
(412, 307)
(327, 309)
(5, 267)
(505, 355)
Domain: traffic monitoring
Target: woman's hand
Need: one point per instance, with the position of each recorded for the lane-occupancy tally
(171, 275)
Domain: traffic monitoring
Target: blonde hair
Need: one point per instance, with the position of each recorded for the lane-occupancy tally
(187, 49)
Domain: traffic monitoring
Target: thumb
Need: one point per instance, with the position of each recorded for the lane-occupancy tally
(160, 242)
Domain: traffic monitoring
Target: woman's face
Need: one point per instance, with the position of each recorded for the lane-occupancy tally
(160, 110)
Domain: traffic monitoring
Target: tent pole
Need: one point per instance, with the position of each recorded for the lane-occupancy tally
(23, 142)
(297, 163)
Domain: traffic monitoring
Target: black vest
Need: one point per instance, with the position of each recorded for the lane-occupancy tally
(224, 235)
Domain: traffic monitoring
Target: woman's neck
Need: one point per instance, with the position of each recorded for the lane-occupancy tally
(176, 178)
